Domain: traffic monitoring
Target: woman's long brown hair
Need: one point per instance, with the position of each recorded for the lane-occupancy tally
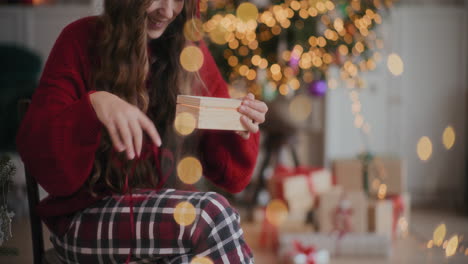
(146, 73)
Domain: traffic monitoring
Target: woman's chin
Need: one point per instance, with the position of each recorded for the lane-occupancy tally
(154, 34)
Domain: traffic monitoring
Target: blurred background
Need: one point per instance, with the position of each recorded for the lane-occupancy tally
(363, 155)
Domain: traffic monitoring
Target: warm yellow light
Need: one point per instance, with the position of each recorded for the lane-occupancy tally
(193, 29)
(185, 123)
(263, 64)
(185, 214)
(395, 64)
(452, 246)
(424, 148)
(275, 69)
(382, 191)
(430, 244)
(338, 24)
(201, 260)
(276, 212)
(191, 58)
(243, 70)
(284, 89)
(295, 84)
(439, 234)
(233, 61)
(449, 137)
(300, 108)
(218, 34)
(251, 75)
(295, 5)
(189, 170)
(343, 50)
(247, 11)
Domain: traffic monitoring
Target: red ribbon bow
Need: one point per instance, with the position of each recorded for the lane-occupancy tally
(308, 251)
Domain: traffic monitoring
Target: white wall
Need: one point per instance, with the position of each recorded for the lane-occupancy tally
(38, 27)
(430, 95)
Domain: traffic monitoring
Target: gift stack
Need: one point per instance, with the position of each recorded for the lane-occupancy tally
(365, 208)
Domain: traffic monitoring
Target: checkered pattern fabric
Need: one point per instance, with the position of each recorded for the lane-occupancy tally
(102, 233)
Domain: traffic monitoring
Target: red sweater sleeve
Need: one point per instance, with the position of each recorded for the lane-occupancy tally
(228, 159)
(60, 133)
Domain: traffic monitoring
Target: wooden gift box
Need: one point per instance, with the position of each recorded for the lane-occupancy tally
(212, 112)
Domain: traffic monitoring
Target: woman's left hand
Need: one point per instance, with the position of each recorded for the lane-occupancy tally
(253, 114)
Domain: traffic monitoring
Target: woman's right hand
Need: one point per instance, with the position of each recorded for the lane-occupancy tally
(124, 122)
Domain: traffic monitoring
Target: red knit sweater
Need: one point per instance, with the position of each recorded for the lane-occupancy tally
(60, 133)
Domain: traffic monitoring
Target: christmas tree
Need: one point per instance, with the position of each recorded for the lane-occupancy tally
(278, 47)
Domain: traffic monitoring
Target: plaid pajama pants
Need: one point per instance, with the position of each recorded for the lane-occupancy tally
(102, 233)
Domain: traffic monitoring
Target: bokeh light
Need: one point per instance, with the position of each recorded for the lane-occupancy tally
(191, 58)
(185, 213)
(382, 191)
(452, 246)
(189, 170)
(424, 148)
(185, 123)
(247, 12)
(439, 234)
(193, 29)
(395, 64)
(300, 108)
(430, 244)
(201, 260)
(449, 137)
(276, 212)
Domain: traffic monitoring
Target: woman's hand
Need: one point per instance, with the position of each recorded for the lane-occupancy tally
(254, 112)
(124, 122)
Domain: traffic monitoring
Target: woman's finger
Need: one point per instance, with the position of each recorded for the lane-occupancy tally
(135, 128)
(126, 135)
(148, 126)
(115, 138)
(257, 105)
(249, 125)
(253, 114)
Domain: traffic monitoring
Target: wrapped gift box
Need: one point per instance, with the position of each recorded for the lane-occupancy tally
(212, 112)
(381, 217)
(300, 199)
(319, 180)
(390, 217)
(390, 172)
(349, 174)
(349, 245)
(328, 212)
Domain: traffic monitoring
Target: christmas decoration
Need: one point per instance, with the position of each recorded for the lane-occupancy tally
(294, 39)
(318, 88)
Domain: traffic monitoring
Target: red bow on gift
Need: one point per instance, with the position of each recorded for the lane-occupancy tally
(342, 217)
(398, 211)
(308, 251)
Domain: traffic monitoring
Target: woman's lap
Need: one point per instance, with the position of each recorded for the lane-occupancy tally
(103, 234)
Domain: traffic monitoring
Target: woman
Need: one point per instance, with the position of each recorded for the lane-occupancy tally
(99, 139)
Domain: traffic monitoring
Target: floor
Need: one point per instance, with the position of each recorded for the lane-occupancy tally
(412, 250)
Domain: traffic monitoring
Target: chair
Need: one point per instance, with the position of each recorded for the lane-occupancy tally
(39, 256)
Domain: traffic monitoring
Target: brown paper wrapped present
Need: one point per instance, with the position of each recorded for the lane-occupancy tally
(342, 212)
(390, 172)
(349, 174)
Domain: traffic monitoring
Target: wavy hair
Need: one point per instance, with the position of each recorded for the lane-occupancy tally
(146, 73)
